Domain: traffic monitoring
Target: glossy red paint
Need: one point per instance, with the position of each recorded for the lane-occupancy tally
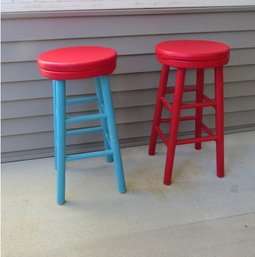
(77, 62)
(199, 55)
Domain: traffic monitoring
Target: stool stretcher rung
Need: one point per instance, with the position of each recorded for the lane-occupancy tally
(211, 136)
(86, 118)
(162, 135)
(184, 118)
(196, 140)
(208, 100)
(74, 157)
(83, 131)
(207, 130)
(170, 90)
(82, 100)
(166, 103)
(102, 107)
(108, 141)
(195, 105)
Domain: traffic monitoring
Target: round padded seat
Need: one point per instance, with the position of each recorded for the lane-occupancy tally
(192, 53)
(77, 62)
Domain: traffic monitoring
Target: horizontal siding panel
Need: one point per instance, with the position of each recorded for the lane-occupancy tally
(36, 108)
(126, 131)
(85, 147)
(128, 82)
(27, 125)
(126, 45)
(129, 114)
(109, 26)
(234, 89)
(33, 107)
(27, 71)
(242, 56)
(43, 89)
(125, 64)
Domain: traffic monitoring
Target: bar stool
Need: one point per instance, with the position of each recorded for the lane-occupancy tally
(82, 62)
(183, 55)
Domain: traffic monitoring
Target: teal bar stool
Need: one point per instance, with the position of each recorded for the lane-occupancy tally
(82, 62)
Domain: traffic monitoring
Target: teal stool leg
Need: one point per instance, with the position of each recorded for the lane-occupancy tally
(60, 138)
(54, 121)
(105, 86)
(103, 121)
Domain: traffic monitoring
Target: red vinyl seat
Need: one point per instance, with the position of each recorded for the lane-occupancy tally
(77, 62)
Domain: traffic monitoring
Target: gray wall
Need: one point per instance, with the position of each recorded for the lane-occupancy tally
(27, 97)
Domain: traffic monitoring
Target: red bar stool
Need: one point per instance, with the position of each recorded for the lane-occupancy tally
(183, 55)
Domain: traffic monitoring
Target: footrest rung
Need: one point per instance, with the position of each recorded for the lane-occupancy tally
(170, 90)
(86, 118)
(88, 155)
(83, 131)
(108, 141)
(162, 135)
(208, 100)
(195, 105)
(87, 99)
(166, 103)
(210, 137)
(206, 103)
(183, 118)
(207, 130)
(196, 140)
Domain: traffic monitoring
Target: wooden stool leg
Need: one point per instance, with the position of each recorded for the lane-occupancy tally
(219, 96)
(101, 107)
(114, 141)
(60, 139)
(173, 132)
(54, 122)
(199, 110)
(158, 108)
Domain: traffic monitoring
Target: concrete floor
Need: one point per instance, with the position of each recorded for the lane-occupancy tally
(198, 215)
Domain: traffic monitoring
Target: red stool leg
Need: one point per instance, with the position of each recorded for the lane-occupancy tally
(158, 108)
(219, 96)
(199, 110)
(173, 132)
